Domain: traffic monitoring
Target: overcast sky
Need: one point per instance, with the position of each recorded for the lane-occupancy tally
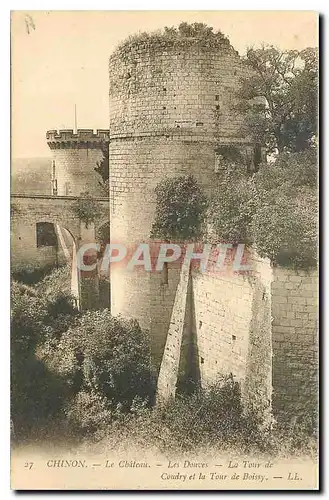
(60, 59)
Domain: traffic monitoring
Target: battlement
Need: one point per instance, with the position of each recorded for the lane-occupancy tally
(82, 138)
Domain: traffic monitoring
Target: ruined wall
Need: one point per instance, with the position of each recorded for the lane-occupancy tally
(295, 342)
(170, 108)
(75, 158)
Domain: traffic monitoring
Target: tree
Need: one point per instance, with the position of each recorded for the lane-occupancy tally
(279, 98)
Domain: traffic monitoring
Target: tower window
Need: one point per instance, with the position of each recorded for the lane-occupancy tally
(46, 236)
(53, 170)
(54, 187)
(67, 188)
(217, 97)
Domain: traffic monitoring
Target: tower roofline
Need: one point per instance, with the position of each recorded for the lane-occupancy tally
(82, 137)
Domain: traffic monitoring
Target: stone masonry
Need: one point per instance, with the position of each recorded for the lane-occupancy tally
(295, 342)
(75, 157)
(170, 109)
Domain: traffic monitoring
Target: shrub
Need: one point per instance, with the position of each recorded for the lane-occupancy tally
(210, 419)
(180, 209)
(231, 214)
(88, 413)
(107, 355)
(288, 172)
(28, 313)
(35, 393)
(56, 289)
(185, 35)
(285, 225)
(286, 231)
(31, 275)
(276, 209)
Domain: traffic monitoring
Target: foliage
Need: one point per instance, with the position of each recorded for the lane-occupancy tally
(102, 169)
(87, 208)
(285, 230)
(28, 313)
(230, 215)
(59, 280)
(279, 98)
(208, 417)
(55, 288)
(87, 413)
(180, 210)
(105, 354)
(288, 173)
(30, 275)
(103, 233)
(35, 393)
(276, 209)
(209, 421)
(284, 226)
(185, 35)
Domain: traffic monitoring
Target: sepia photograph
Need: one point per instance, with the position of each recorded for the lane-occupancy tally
(164, 240)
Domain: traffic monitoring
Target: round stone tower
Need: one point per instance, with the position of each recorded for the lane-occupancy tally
(171, 111)
(75, 157)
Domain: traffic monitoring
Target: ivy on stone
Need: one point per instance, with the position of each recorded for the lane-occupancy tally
(180, 210)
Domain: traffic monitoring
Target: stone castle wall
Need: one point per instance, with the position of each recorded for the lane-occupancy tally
(170, 108)
(231, 326)
(295, 342)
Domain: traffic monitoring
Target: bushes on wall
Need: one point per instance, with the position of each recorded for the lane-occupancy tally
(180, 210)
(284, 225)
(285, 230)
(276, 209)
(184, 35)
(231, 212)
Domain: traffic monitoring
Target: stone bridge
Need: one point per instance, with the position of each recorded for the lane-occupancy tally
(46, 230)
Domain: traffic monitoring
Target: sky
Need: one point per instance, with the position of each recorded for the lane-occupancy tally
(60, 59)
